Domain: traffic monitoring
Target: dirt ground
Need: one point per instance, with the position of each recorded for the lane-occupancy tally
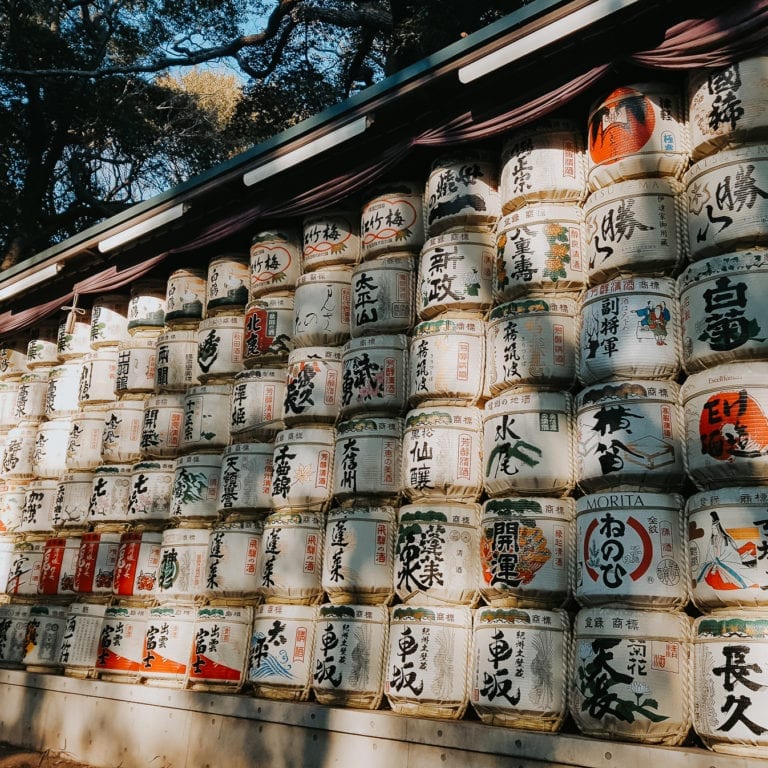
(18, 757)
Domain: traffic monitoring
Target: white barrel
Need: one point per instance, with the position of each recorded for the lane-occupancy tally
(268, 330)
(61, 400)
(138, 565)
(168, 641)
(206, 417)
(428, 660)
(151, 490)
(110, 493)
(18, 452)
(86, 437)
(220, 347)
(532, 342)
(162, 425)
(545, 161)
(730, 668)
(630, 328)
(456, 273)
(42, 349)
(447, 361)
(57, 575)
(183, 564)
(368, 459)
(632, 674)
(11, 503)
(436, 554)
(109, 320)
(31, 396)
(331, 237)
(629, 434)
(220, 645)
(275, 261)
(726, 425)
(39, 501)
(14, 619)
(136, 361)
(527, 551)
(540, 247)
(245, 482)
(233, 561)
(392, 220)
(384, 295)
(146, 307)
(257, 404)
(184, 297)
(349, 655)
(121, 437)
(176, 361)
(98, 376)
(723, 314)
(73, 339)
(9, 392)
(13, 359)
(637, 131)
(726, 106)
(528, 443)
(7, 545)
(42, 648)
(73, 500)
(195, 486)
(291, 565)
(50, 455)
(302, 468)
(635, 227)
(280, 660)
(323, 308)
(121, 642)
(26, 566)
(227, 284)
(519, 676)
(80, 644)
(462, 191)
(313, 385)
(96, 563)
(358, 562)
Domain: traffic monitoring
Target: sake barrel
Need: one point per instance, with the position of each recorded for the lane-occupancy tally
(206, 417)
(121, 643)
(220, 646)
(723, 314)
(302, 468)
(162, 424)
(13, 358)
(14, 619)
(436, 554)
(729, 679)
(80, 645)
(726, 107)
(220, 347)
(456, 274)
(98, 377)
(726, 428)
(86, 438)
(168, 640)
(275, 261)
(37, 512)
(358, 564)
(540, 247)
(322, 307)
(146, 306)
(368, 459)
(462, 191)
(18, 452)
(195, 486)
(96, 563)
(245, 482)
(313, 385)
(637, 131)
(544, 161)
(635, 227)
(630, 328)
(447, 361)
(138, 565)
(176, 361)
(280, 657)
(268, 330)
(392, 220)
(151, 490)
(110, 493)
(527, 551)
(136, 361)
(629, 434)
(349, 654)
(528, 443)
(518, 677)
(291, 564)
(442, 449)
(183, 568)
(233, 561)
(727, 197)
(184, 297)
(11, 503)
(49, 458)
(42, 349)
(109, 320)
(61, 399)
(26, 566)
(330, 237)
(632, 674)
(229, 276)
(30, 398)
(73, 339)
(57, 574)
(7, 544)
(428, 660)
(532, 342)
(122, 432)
(72, 501)
(45, 634)
(726, 531)
(9, 392)
(257, 404)
(383, 295)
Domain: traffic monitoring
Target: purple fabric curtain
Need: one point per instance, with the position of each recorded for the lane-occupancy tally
(16, 321)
